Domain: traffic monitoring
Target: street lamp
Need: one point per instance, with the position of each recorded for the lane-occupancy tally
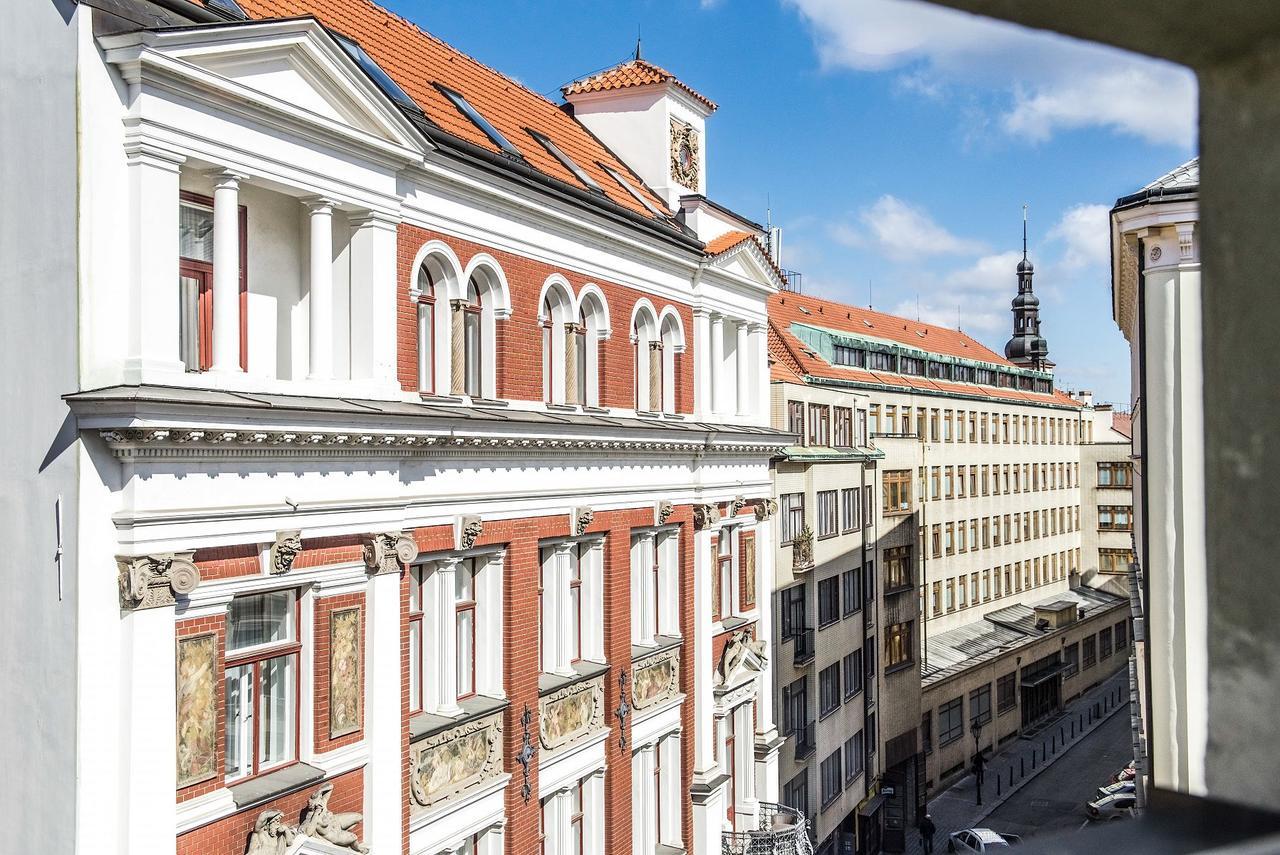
(975, 727)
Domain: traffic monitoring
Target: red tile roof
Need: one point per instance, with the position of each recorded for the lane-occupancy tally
(786, 308)
(729, 240)
(415, 60)
(1122, 423)
(635, 72)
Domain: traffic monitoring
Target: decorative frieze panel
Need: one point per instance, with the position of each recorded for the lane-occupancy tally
(656, 678)
(151, 581)
(345, 695)
(386, 551)
(571, 712)
(582, 518)
(454, 760)
(466, 530)
(197, 663)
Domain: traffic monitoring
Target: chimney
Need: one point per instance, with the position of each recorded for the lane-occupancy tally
(1085, 397)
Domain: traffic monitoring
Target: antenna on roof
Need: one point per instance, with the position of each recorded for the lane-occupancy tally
(637, 41)
(917, 307)
(868, 292)
(958, 327)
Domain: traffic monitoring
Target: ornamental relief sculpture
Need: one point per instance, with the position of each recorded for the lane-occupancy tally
(272, 836)
(743, 655)
(705, 515)
(656, 679)
(345, 689)
(197, 722)
(570, 712)
(151, 581)
(684, 154)
(468, 529)
(283, 552)
(447, 763)
(663, 512)
(386, 551)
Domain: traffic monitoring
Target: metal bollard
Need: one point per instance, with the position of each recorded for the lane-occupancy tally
(1053, 744)
(1073, 730)
(1011, 776)
(1062, 735)
(1033, 759)
(1022, 767)
(998, 786)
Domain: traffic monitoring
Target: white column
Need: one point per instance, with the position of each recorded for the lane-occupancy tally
(148, 711)
(644, 610)
(764, 623)
(382, 820)
(758, 347)
(593, 813)
(704, 755)
(718, 403)
(153, 262)
(373, 299)
(702, 361)
(226, 272)
(438, 597)
(743, 361)
(561, 610)
(321, 289)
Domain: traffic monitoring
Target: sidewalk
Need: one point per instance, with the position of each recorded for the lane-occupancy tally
(956, 807)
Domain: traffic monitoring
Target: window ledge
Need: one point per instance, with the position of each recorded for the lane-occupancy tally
(665, 849)
(587, 408)
(489, 403)
(584, 670)
(901, 666)
(424, 724)
(730, 623)
(562, 408)
(274, 784)
(429, 398)
(661, 644)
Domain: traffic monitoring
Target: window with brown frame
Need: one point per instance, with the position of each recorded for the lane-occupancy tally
(1115, 474)
(795, 419)
(843, 427)
(897, 568)
(1115, 518)
(262, 688)
(898, 645)
(897, 491)
(415, 642)
(195, 282)
(819, 424)
(1114, 560)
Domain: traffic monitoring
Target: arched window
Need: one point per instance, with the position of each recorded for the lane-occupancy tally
(559, 353)
(473, 341)
(548, 343)
(425, 298)
(592, 328)
(672, 344)
(580, 334)
(648, 361)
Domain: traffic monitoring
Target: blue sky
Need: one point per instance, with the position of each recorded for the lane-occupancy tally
(895, 142)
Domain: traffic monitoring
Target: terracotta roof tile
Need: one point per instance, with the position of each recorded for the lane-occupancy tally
(416, 60)
(635, 72)
(785, 308)
(1122, 423)
(726, 242)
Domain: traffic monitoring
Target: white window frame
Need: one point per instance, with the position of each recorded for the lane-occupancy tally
(556, 622)
(438, 655)
(655, 585)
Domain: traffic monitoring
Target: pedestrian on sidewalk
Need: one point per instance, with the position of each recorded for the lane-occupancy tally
(927, 831)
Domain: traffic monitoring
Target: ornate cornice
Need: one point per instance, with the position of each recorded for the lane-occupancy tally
(384, 552)
(152, 581)
(187, 443)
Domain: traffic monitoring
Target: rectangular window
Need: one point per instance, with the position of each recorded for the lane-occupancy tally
(795, 419)
(195, 282)
(796, 792)
(1122, 635)
(831, 771)
(1115, 474)
(853, 673)
(898, 645)
(898, 568)
(850, 509)
(980, 704)
(1104, 643)
(792, 604)
(852, 583)
(415, 642)
(911, 365)
(262, 651)
(951, 721)
(853, 757)
(828, 514)
(795, 706)
(828, 690)
(874, 419)
(897, 491)
(792, 516)
(883, 361)
(1115, 518)
(819, 424)
(828, 601)
(1006, 692)
(843, 427)
(1070, 660)
(1089, 651)
(724, 574)
(935, 538)
(846, 355)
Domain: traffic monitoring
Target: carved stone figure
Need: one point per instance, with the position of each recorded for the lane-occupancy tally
(149, 581)
(582, 518)
(469, 529)
(386, 551)
(286, 548)
(319, 821)
(270, 835)
(742, 653)
(705, 515)
(664, 512)
(736, 506)
(766, 508)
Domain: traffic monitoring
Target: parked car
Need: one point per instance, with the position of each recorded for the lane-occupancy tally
(980, 840)
(1128, 773)
(1114, 806)
(1115, 789)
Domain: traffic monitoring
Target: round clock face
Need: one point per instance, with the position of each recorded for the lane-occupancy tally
(686, 156)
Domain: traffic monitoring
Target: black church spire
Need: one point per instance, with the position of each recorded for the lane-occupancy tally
(1027, 348)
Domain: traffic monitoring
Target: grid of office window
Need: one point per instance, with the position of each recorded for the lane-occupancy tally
(828, 513)
(828, 601)
(951, 721)
(853, 757)
(980, 704)
(852, 673)
(828, 690)
(850, 509)
(831, 777)
(852, 590)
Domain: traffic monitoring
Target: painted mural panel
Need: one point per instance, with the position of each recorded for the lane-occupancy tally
(344, 673)
(197, 660)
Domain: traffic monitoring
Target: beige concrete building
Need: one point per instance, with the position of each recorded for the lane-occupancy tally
(1106, 497)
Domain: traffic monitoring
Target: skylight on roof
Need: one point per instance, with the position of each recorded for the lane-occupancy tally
(371, 68)
(228, 7)
(565, 160)
(495, 136)
(626, 185)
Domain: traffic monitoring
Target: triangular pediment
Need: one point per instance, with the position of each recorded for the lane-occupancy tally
(748, 261)
(293, 68)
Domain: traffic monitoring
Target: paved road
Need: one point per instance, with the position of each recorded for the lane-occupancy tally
(1054, 801)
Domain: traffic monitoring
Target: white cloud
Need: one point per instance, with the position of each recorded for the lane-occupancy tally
(1048, 82)
(1084, 231)
(900, 231)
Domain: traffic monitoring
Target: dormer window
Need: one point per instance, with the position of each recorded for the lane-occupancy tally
(565, 160)
(630, 188)
(495, 136)
(375, 72)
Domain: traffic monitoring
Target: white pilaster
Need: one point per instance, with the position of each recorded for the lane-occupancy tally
(149, 710)
(373, 298)
(764, 625)
(593, 813)
(562, 610)
(441, 629)
(226, 272)
(153, 262)
(718, 403)
(320, 297)
(643, 556)
(704, 755)
(743, 362)
(702, 361)
(383, 831)
(759, 350)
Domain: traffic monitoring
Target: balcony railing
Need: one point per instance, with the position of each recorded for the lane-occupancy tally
(804, 647)
(806, 738)
(782, 830)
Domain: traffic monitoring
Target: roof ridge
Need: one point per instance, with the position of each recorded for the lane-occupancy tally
(851, 307)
